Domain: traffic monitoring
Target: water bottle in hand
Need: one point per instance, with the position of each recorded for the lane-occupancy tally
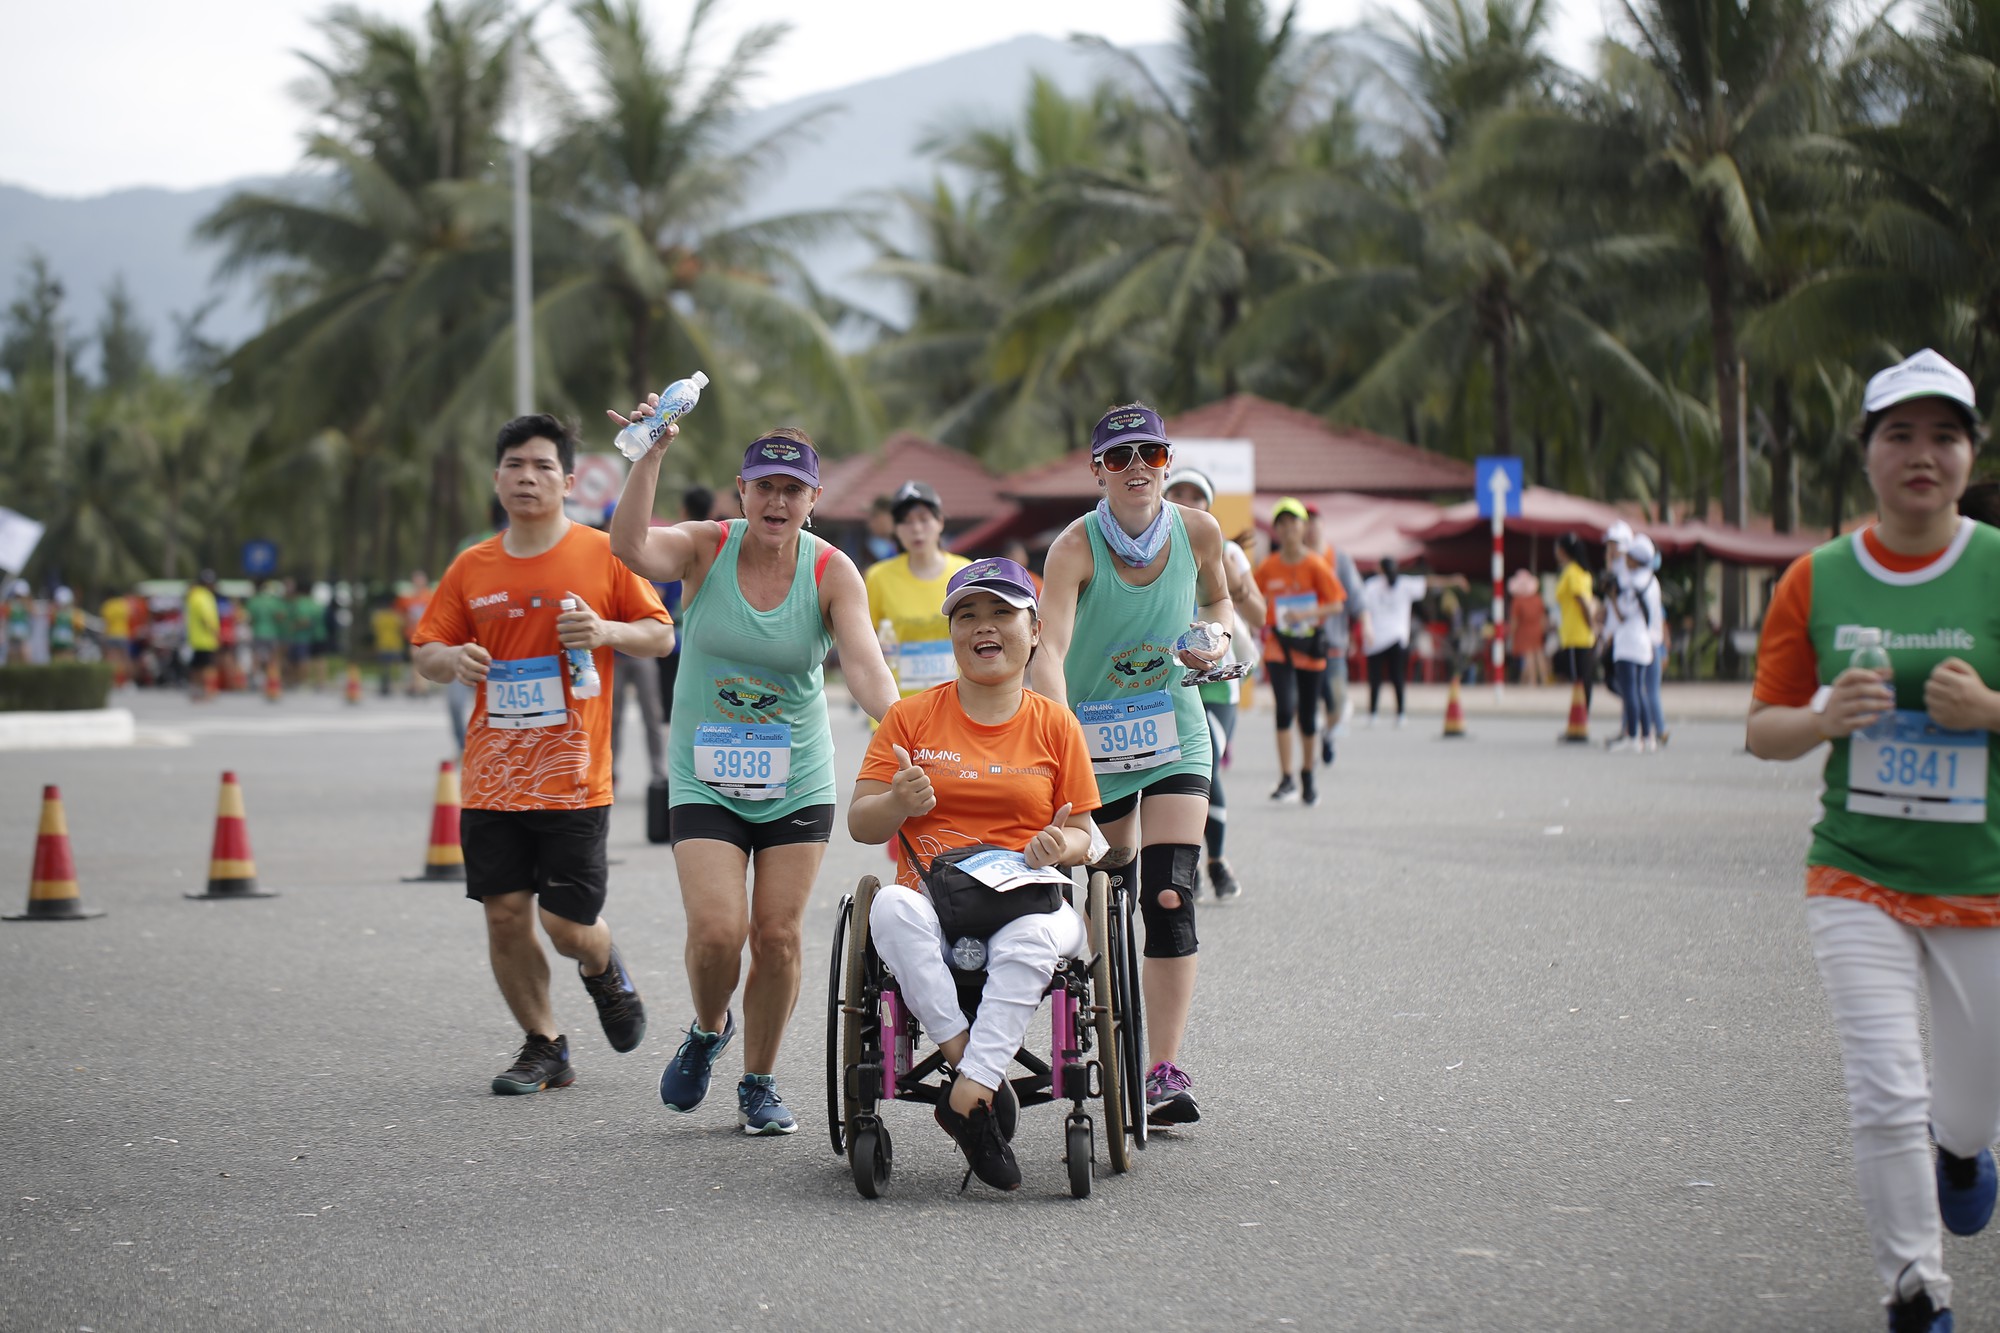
(1870, 655)
(676, 401)
(584, 682)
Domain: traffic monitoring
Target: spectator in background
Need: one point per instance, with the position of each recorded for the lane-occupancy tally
(1017, 551)
(203, 621)
(117, 616)
(1528, 627)
(1386, 598)
(881, 543)
(411, 607)
(1340, 627)
(1630, 615)
(1576, 614)
(266, 609)
(387, 624)
(20, 611)
(65, 624)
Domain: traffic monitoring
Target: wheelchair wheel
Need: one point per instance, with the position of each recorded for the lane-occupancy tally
(872, 1158)
(1079, 1160)
(1131, 1017)
(1105, 999)
(854, 987)
(836, 1122)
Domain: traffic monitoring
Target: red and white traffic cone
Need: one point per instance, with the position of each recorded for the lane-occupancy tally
(232, 871)
(444, 859)
(52, 890)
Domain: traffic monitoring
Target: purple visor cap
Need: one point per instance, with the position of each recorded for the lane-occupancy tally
(775, 456)
(1003, 578)
(1127, 425)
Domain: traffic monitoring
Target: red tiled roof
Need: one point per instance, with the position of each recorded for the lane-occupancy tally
(968, 490)
(1296, 453)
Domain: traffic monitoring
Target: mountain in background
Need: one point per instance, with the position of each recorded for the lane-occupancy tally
(868, 147)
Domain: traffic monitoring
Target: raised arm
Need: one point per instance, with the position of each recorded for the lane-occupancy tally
(843, 601)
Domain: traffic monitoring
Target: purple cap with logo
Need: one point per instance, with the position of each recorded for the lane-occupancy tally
(1127, 425)
(1003, 578)
(777, 456)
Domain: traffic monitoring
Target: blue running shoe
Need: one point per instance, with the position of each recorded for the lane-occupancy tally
(1918, 1315)
(684, 1082)
(761, 1109)
(1966, 1187)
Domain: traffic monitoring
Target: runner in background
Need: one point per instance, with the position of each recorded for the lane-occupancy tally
(1340, 627)
(906, 591)
(537, 767)
(203, 621)
(752, 751)
(116, 614)
(1903, 871)
(266, 608)
(1300, 593)
(1219, 699)
(385, 623)
(1386, 598)
(1118, 586)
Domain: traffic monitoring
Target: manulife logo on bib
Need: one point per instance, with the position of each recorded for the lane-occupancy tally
(1846, 638)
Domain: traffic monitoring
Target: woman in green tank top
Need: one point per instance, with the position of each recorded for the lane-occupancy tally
(751, 754)
(1903, 874)
(1117, 588)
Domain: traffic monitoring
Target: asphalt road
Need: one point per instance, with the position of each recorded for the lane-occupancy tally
(1505, 1035)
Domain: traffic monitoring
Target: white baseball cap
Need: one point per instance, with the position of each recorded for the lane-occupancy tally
(1641, 549)
(1188, 476)
(1618, 534)
(1925, 375)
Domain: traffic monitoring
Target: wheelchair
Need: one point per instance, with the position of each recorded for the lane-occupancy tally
(1096, 1045)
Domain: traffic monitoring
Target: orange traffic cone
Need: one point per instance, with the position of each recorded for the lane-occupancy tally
(1454, 713)
(232, 872)
(353, 683)
(1578, 730)
(274, 684)
(445, 859)
(52, 891)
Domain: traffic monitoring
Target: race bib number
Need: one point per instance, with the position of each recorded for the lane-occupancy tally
(924, 664)
(1130, 734)
(1908, 767)
(751, 761)
(1295, 612)
(1005, 871)
(524, 694)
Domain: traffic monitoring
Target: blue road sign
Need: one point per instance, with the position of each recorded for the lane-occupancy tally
(260, 557)
(1497, 479)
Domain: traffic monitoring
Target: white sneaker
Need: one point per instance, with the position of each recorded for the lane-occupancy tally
(1650, 744)
(1399, 721)
(1621, 743)
(1369, 722)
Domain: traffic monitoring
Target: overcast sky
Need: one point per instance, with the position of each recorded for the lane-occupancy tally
(104, 94)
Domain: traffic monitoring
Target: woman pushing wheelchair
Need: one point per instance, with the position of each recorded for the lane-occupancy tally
(979, 762)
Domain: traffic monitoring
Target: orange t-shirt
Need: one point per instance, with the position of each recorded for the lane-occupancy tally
(1788, 677)
(1000, 785)
(558, 759)
(1308, 584)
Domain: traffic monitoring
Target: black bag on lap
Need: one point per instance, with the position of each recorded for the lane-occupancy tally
(969, 909)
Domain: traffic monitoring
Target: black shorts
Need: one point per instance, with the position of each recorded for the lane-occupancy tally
(698, 819)
(202, 659)
(558, 855)
(1173, 784)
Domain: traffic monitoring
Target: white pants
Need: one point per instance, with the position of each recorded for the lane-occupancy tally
(1020, 958)
(1874, 968)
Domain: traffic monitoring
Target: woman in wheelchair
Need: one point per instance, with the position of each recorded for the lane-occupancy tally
(978, 760)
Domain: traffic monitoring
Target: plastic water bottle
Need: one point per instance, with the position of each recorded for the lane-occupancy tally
(969, 955)
(584, 682)
(676, 401)
(892, 647)
(1869, 654)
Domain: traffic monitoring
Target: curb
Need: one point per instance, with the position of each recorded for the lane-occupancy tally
(76, 729)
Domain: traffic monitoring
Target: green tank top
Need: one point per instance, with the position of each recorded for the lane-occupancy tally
(750, 730)
(1139, 722)
(1904, 804)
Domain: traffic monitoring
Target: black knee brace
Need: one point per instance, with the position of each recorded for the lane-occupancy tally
(1169, 930)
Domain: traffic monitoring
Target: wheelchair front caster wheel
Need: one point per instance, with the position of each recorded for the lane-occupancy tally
(870, 1156)
(1079, 1161)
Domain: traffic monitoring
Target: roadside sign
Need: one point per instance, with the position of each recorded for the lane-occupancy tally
(1231, 467)
(260, 557)
(1497, 478)
(599, 479)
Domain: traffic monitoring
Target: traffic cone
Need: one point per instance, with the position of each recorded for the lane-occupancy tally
(353, 683)
(1578, 730)
(232, 873)
(445, 859)
(274, 684)
(1454, 712)
(52, 891)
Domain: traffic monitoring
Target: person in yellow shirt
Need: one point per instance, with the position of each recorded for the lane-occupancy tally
(1576, 635)
(387, 624)
(117, 616)
(907, 590)
(202, 620)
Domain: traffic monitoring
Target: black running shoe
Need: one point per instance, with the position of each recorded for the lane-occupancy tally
(979, 1138)
(1286, 789)
(1918, 1315)
(1326, 747)
(1308, 789)
(542, 1063)
(618, 1006)
(1224, 880)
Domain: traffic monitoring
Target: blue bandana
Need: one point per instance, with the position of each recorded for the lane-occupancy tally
(1139, 551)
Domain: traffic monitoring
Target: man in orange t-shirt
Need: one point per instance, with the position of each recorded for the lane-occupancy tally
(537, 764)
(1300, 592)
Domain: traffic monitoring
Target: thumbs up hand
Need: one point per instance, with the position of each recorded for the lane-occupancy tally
(1048, 846)
(911, 787)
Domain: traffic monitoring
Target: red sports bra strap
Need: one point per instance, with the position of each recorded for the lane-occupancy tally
(819, 565)
(724, 540)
